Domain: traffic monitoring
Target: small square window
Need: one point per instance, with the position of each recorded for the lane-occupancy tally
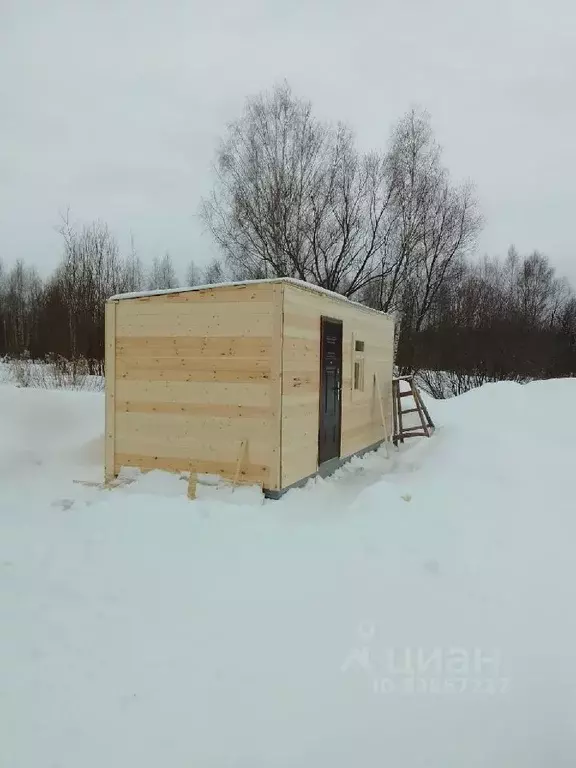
(359, 346)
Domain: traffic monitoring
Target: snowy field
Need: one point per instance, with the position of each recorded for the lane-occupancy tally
(416, 611)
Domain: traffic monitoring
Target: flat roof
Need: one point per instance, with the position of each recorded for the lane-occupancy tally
(289, 280)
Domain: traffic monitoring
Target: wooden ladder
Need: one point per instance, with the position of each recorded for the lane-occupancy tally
(426, 426)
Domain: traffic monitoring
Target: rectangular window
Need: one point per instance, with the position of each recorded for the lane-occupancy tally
(359, 375)
(358, 381)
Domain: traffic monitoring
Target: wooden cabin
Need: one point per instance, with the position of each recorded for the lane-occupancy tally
(266, 382)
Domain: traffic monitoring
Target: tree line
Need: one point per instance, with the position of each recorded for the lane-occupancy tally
(294, 196)
(63, 314)
(499, 319)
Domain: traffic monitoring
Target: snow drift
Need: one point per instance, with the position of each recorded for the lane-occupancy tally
(411, 611)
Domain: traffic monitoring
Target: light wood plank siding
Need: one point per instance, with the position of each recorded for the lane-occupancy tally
(196, 374)
(110, 388)
(191, 375)
(276, 388)
(361, 420)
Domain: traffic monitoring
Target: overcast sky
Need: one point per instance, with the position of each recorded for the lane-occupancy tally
(115, 107)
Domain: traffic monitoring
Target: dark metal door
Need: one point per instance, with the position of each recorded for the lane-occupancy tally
(330, 390)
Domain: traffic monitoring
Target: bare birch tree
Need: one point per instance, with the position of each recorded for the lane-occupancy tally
(435, 223)
(90, 272)
(162, 274)
(294, 198)
(193, 274)
(214, 273)
(133, 272)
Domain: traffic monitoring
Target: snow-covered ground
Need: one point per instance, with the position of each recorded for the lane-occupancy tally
(411, 611)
